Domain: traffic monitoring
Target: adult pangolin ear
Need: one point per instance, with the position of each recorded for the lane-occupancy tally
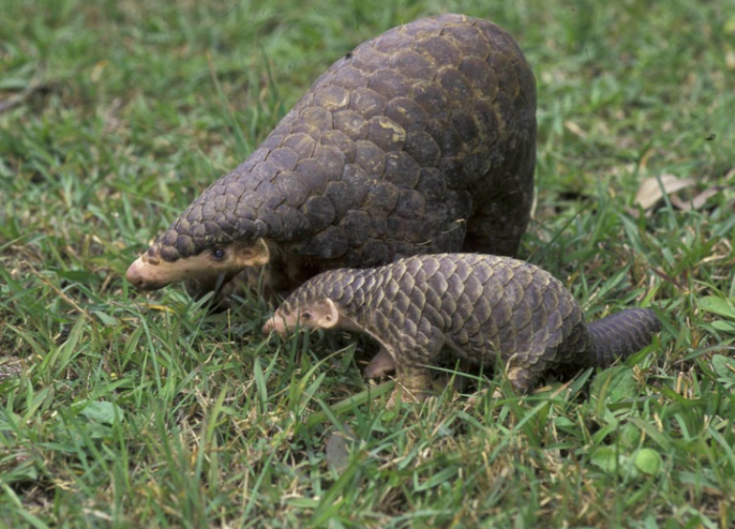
(257, 254)
(329, 315)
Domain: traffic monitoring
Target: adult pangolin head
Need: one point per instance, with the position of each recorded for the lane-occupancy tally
(218, 235)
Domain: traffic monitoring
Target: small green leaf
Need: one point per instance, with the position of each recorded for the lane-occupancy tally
(102, 411)
(721, 307)
(724, 367)
(108, 320)
(613, 385)
(564, 422)
(605, 458)
(630, 435)
(648, 461)
(723, 326)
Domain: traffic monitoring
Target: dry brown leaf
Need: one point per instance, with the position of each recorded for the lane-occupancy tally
(730, 59)
(575, 129)
(697, 202)
(10, 366)
(651, 191)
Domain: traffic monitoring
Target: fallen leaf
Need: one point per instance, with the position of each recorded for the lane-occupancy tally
(719, 306)
(10, 366)
(337, 450)
(697, 202)
(651, 191)
(575, 129)
(648, 461)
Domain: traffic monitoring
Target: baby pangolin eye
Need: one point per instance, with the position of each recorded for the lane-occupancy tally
(305, 315)
(218, 253)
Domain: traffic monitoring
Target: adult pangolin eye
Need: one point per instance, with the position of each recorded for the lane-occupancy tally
(218, 253)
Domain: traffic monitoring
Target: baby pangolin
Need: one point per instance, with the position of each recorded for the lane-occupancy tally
(480, 307)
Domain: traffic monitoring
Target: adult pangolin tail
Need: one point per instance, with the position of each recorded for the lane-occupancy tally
(621, 334)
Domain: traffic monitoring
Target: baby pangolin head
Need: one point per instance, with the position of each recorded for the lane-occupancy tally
(320, 314)
(319, 303)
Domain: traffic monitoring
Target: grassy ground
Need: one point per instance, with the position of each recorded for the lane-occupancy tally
(134, 411)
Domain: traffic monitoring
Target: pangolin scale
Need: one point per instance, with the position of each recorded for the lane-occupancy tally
(419, 141)
(480, 307)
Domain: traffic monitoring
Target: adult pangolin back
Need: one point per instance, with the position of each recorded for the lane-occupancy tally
(421, 140)
(481, 307)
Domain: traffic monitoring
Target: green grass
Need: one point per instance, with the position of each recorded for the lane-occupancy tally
(134, 411)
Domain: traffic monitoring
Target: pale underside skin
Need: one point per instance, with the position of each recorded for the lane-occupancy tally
(151, 272)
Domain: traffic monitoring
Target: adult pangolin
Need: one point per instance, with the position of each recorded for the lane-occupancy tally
(481, 307)
(419, 141)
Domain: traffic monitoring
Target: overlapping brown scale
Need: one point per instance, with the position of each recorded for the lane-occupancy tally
(480, 305)
(400, 129)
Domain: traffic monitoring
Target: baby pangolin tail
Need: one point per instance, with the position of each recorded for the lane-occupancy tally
(621, 334)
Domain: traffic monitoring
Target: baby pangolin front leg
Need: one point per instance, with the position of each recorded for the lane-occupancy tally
(483, 308)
